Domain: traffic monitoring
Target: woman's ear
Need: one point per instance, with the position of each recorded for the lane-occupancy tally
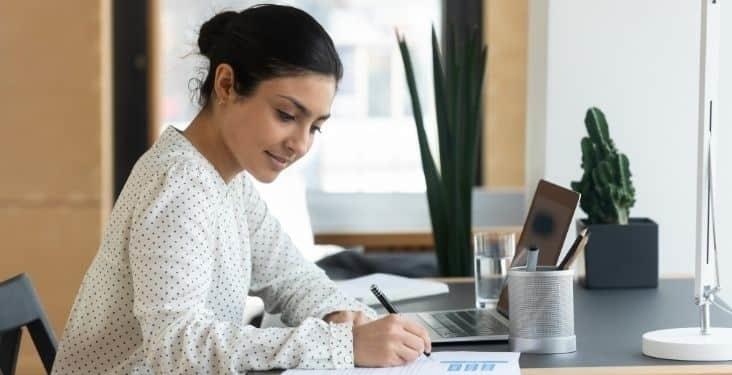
(224, 84)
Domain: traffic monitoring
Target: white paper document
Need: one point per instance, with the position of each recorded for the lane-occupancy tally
(396, 288)
(439, 363)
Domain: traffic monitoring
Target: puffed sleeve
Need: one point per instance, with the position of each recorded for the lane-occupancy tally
(171, 249)
(282, 277)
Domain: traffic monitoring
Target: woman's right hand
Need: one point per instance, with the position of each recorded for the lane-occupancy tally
(390, 341)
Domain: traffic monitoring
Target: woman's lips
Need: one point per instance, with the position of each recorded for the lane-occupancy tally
(278, 161)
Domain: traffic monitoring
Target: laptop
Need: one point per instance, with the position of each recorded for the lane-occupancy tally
(546, 225)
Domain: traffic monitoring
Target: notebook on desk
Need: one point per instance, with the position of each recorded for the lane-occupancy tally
(396, 287)
(546, 225)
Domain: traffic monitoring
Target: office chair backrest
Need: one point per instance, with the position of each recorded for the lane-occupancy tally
(20, 307)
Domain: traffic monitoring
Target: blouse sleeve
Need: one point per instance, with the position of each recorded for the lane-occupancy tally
(282, 277)
(171, 261)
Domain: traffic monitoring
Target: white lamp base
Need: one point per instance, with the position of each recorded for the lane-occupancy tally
(688, 344)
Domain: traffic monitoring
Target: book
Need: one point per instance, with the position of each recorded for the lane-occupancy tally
(395, 287)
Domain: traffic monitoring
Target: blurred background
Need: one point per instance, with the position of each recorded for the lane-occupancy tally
(86, 86)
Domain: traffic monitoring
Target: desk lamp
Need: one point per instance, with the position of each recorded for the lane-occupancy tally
(704, 343)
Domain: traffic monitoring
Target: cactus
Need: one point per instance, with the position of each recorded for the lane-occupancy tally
(606, 188)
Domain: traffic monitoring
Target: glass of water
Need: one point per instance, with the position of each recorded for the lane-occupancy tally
(493, 253)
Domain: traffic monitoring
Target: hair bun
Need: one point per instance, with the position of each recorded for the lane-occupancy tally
(212, 29)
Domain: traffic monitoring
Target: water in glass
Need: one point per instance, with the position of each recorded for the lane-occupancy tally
(493, 254)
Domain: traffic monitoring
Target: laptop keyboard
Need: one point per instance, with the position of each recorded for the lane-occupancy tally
(464, 323)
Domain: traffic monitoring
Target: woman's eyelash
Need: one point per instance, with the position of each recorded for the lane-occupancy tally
(285, 116)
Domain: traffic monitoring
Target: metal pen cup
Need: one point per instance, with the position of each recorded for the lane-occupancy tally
(541, 306)
(492, 259)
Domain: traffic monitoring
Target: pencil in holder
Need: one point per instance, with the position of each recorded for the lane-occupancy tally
(541, 304)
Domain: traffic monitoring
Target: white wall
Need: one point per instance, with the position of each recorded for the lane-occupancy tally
(637, 60)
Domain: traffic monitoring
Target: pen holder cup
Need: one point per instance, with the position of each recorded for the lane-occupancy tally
(541, 308)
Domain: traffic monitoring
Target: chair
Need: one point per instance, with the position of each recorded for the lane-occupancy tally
(19, 307)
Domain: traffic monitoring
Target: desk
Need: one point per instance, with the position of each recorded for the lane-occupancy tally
(608, 325)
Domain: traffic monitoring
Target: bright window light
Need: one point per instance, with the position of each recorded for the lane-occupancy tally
(370, 142)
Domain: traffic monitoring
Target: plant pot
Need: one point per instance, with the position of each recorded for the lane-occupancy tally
(621, 256)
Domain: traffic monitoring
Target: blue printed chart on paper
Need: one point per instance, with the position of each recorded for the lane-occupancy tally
(456, 367)
(439, 363)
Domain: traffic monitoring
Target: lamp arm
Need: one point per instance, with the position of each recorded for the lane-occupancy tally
(712, 206)
(706, 281)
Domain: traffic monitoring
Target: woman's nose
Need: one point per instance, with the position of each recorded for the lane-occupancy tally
(299, 143)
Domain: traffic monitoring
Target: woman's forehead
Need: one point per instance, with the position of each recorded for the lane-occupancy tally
(302, 82)
(314, 92)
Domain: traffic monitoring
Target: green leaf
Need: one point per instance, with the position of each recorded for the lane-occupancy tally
(458, 81)
(443, 123)
(435, 192)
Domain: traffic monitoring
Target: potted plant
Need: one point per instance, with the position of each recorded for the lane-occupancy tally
(458, 83)
(623, 251)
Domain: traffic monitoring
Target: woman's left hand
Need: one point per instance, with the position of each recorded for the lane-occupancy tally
(356, 318)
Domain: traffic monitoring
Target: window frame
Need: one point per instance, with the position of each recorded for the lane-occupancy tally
(131, 86)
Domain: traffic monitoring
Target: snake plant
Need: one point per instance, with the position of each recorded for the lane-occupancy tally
(458, 83)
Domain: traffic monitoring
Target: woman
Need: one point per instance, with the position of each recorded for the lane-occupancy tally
(189, 238)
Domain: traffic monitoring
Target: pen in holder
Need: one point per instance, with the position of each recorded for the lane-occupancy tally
(541, 304)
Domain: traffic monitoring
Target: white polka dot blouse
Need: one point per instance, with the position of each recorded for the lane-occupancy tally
(165, 293)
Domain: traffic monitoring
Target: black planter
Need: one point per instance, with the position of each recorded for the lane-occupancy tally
(622, 256)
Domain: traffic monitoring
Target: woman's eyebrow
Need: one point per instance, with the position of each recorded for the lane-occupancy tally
(302, 108)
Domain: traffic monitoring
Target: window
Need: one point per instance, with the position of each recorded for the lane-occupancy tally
(370, 142)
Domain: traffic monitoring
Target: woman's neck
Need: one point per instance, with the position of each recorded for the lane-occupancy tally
(205, 136)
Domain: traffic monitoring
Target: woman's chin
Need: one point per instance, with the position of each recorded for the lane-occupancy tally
(265, 177)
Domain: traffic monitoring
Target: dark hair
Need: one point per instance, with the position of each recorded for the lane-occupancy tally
(263, 42)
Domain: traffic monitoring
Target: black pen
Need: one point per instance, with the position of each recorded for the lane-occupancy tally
(387, 305)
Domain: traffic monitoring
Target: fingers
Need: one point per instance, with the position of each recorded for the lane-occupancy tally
(412, 335)
(413, 341)
(389, 341)
(407, 354)
(417, 329)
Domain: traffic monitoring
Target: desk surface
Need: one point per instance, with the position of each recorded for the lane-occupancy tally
(608, 325)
